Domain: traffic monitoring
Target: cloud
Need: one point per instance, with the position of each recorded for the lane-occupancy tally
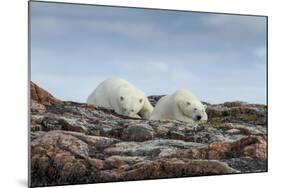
(127, 29)
(218, 57)
(238, 23)
(48, 24)
(259, 52)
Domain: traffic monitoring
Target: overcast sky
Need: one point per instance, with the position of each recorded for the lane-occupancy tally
(218, 57)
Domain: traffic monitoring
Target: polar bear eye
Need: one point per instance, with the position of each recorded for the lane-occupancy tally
(121, 98)
(195, 109)
(140, 100)
(188, 103)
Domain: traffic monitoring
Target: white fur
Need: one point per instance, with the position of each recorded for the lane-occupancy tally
(181, 105)
(121, 96)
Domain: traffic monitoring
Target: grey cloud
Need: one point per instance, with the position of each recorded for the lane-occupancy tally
(218, 57)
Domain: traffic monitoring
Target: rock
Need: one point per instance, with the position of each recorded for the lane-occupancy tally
(117, 161)
(233, 131)
(41, 96)
(247, 164)
(253, 146)
(79, 143)
(194, 167)
(97, 164)
(139, 133)
(153, 99)
(234, 104)
(238, 112)
(58, 158)
(37, 107)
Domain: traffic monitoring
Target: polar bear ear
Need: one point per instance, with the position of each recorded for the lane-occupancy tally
(121, 98)
(205, 106)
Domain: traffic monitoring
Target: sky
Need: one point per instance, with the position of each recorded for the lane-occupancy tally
(218, 57)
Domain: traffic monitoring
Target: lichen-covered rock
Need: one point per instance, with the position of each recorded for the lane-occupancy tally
(37, 107)
(79, 143)
(138, 132)
(153, 99)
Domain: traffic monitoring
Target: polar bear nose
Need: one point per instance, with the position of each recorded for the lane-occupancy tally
(198, 117)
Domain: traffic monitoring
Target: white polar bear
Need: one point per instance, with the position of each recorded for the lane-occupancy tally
(181, 105)
(122, 97)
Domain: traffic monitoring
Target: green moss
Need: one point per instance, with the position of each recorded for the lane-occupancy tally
(247, 117)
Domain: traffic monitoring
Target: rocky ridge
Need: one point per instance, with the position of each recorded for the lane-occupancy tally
(79, 143)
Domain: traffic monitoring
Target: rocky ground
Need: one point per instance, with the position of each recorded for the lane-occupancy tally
(78, 143)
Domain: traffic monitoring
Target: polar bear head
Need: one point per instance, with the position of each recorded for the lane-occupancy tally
(191, 107)
(130, 101)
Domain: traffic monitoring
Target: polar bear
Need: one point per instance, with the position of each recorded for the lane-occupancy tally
(121, 96)
(181, 105)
